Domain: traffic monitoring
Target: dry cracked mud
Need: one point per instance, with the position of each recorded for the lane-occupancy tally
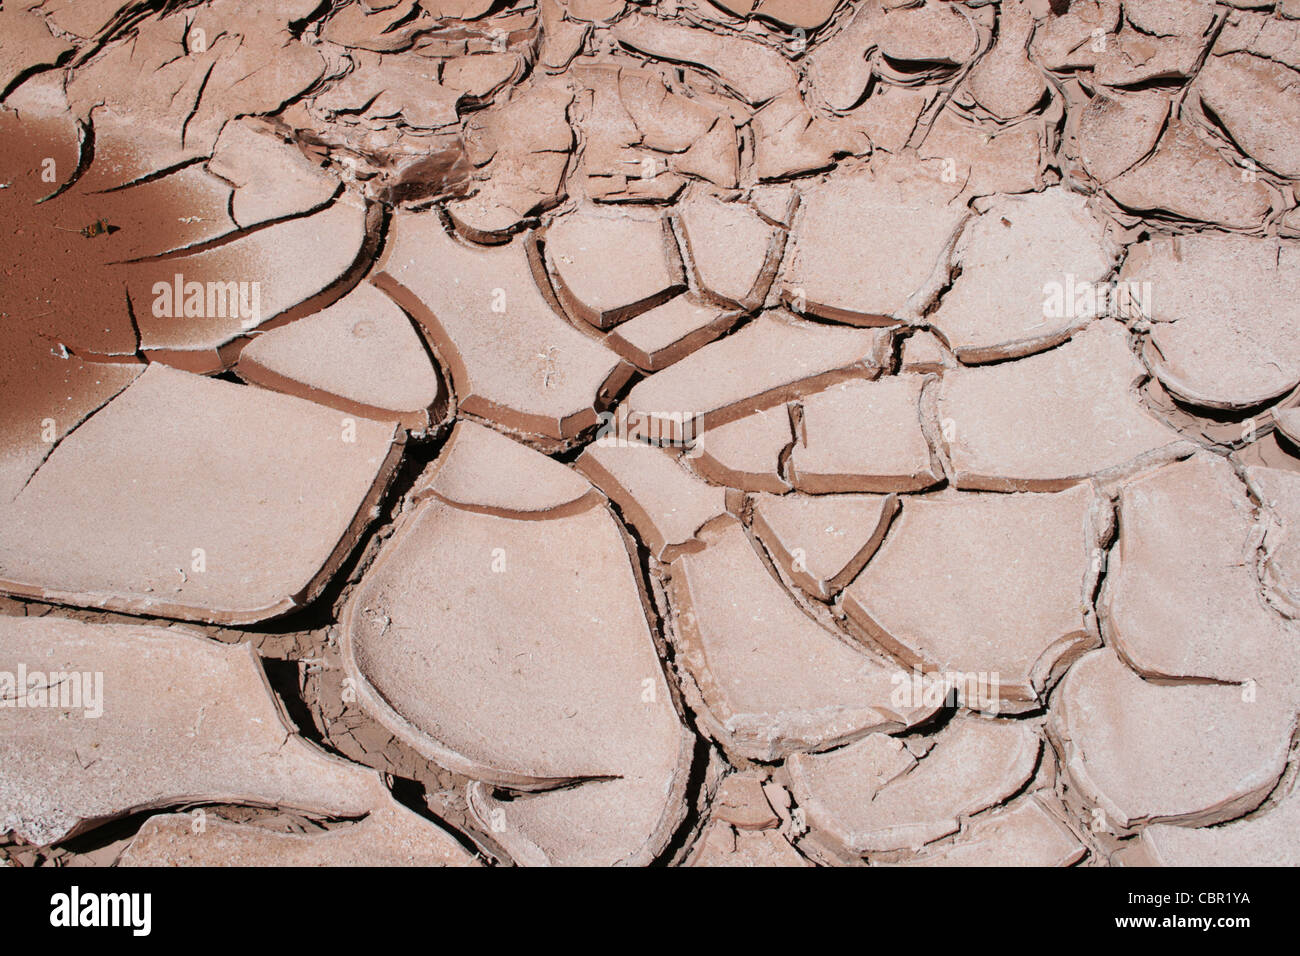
(689, 432)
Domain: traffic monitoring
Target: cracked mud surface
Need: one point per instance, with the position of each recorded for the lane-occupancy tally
(694, 432)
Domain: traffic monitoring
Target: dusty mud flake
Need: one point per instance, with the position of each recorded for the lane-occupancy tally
(933, 36)
(1267, 837)
(387, 90)
(1074, 38)
(667, 121)
(55, 258)
(517, 652)
(612, 267)
(562, 39)
(1278, 492)
(1181, 600)
(864, 435)
(838, 69)
(1028, 833)
(797, 14)
(875, 795)
(1005, 81)
(162, 717)
(1117, 129)
(891, 115)
(595, 825)
(987, 161)
(822, 542)
(635, 132)
(390, 835)
(26, 45)
(790, 14)
(500, 209)
(775, 202)
(86, 19)
(254, 178)
(511, 358)
(923, 353)
(484, 470)
(1288, 423)
(1289, 224)
(838, 267)
(273, 179)
(360, 355)
(481, 75)
(524, 147)
(790, 141)
(1258, 101)
(386, 30)
(1170, 17)
(666, 504)
(769, 361)
(1186, 178)
(189, 308)
(43, 396)
(1054, 419)
(188, 208)
(714, 157)
(740, 801)
(1132, 59)
(43, 142)
(633, 176)
(593, 11)
(200, 508)
(1016, 261)
(746, 453)
(613, 162)
(766, 678)
(360, 92)
(755, 72)
(132, 147)
(1276, 37)
(1192, 754)
(1001, 603)
(734, 254)
(1224, 325)
(668, 333)
(723, 845)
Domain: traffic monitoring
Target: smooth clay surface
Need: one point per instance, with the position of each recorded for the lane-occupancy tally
(612, 432)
